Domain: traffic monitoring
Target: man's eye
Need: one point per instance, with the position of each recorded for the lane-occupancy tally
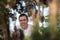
(24, 19)
(20, 20)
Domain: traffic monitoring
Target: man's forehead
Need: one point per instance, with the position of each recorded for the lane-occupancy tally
(23, 17)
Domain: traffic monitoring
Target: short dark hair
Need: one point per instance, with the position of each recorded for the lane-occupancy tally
(23, 15)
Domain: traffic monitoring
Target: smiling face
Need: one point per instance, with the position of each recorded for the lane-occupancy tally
(23, 22)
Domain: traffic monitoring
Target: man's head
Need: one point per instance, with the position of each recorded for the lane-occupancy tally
(23, 19)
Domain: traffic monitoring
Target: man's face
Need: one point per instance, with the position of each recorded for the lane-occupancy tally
(23, 22)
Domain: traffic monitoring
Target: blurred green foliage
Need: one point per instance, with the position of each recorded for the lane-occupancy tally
(47, 33)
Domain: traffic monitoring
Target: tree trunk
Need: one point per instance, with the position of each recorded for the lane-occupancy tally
(52, 18)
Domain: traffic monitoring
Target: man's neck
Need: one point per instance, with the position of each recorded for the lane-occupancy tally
(24, 28)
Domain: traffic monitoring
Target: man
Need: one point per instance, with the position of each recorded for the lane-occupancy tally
(27, 28)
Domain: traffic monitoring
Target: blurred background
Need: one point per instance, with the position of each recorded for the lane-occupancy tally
(46, 11)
